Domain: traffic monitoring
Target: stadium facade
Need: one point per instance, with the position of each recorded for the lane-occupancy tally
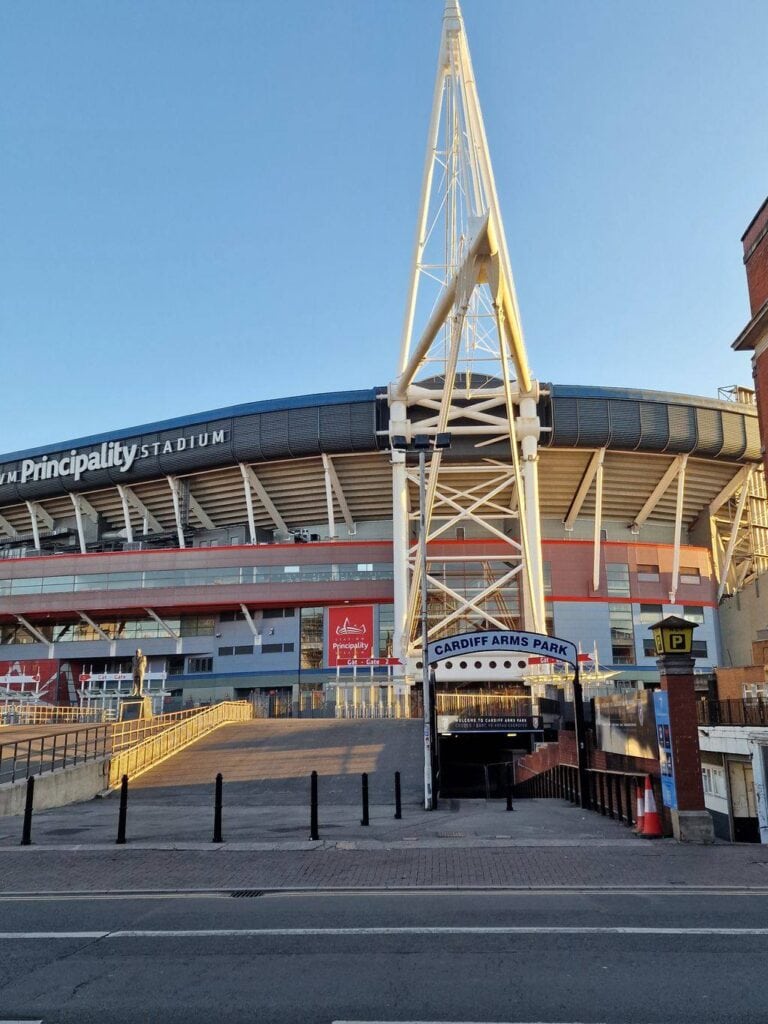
(232, 546)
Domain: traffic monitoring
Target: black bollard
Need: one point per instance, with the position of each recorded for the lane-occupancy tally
(364, 820)
(398, 798)
(313, 828)
(123, 811)
(217, 836)
(26, 832)
(509, 788)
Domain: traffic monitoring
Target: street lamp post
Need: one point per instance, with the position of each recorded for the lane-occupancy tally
(430, 797)
(423, 443)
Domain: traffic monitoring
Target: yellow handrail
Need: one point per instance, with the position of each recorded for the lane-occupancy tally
(47, 714)
(129, 733)
(146, 754)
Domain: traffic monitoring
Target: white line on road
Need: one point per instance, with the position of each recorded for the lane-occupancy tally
(212, 933)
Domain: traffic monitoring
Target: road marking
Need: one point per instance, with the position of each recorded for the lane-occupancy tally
(206, 933)
(473, 893)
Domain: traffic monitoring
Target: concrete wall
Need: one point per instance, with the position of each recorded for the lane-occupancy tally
(54, 789)
(741, 616)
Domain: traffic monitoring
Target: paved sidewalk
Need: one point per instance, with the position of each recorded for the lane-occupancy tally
(543, 843)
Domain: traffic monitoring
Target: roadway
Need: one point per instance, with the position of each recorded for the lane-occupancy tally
(286, 956)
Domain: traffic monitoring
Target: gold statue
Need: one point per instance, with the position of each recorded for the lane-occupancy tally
(139, 671)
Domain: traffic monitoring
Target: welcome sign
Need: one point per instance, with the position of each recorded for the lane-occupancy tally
(497, 641)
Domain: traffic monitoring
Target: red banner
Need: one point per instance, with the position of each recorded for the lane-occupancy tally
(40, 678)
(350, 634)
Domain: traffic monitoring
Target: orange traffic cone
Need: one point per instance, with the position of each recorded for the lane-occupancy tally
(651, 820)
(640, 804)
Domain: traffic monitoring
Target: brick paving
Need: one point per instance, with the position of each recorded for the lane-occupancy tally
(664, 863)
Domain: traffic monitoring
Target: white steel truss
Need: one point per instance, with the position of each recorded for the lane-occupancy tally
(465, 373)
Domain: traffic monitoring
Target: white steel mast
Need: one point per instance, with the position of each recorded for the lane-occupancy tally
(463, 369)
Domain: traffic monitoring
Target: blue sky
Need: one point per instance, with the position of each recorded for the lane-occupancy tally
(207, 203)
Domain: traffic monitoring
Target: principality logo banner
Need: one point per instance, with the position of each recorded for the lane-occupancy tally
(350, 634)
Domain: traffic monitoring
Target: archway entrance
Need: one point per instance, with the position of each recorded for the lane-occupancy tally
(484, 713)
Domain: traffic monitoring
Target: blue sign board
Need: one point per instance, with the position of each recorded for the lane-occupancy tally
(664, 734)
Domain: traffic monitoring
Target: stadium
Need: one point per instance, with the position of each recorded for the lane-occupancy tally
(298, 552)
(223, 543)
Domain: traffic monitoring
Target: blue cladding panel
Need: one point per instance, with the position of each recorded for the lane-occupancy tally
(654, 422)
(682, 429)
(709, 425)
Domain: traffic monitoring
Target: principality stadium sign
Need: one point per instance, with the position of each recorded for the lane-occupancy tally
(109, 455)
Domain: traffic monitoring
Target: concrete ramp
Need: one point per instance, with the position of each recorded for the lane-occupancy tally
(267, 762)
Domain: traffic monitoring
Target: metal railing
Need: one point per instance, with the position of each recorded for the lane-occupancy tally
(128, 734)
(38, 755)
(48, 714)
(752, 711)
(483, 704)
(156, 748)
(376, 709)
(612, 794)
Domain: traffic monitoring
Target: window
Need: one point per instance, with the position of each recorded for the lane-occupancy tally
(226, 652)
(365, 566)
(693, 613)
(650, 613)
(649, 648)
(617, 577)
(277, 648)
(622, 634)
(231, 617)
(278, 613)
(714, 781)
(386, 629)
(699, 648)
(16, 634)
(197, 625)
(229, 652)
(648, 573)
(311, 638)
(690, 574)
(200, 665)
(546, 572)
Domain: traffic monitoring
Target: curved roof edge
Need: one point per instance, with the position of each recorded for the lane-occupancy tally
(244, 409)
(641, 395)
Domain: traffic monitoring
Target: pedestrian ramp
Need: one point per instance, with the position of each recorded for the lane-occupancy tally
(268, 762)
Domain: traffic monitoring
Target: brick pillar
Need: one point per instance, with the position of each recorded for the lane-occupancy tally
(691, 821)
(760, 375)
(755, 243)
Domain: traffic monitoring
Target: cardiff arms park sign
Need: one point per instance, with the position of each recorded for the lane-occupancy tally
(498, 641)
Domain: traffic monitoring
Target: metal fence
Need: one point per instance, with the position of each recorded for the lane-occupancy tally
(37, 755)
(47, 714)
(155, 748)
(612, 794)
(128, 734)
(752, 711)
